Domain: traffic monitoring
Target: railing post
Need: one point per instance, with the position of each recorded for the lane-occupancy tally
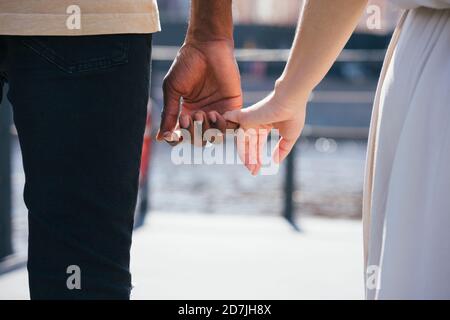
(5, 180)
(289, 189)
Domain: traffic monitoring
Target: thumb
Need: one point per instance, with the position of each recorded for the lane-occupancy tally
(261, 113)
(232, 116)
(169, 114)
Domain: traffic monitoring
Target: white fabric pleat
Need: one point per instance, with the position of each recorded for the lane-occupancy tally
(407, 191)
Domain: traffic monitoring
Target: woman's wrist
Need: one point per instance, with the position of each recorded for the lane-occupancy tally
(290, 94)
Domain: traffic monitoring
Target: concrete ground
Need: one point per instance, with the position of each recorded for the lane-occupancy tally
(190, 256)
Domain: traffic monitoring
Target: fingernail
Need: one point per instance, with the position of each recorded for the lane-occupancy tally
(198, 117)
(184, 122)
(168, 136)
(213, 118)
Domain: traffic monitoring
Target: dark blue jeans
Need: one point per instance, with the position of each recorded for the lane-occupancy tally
(80, 108)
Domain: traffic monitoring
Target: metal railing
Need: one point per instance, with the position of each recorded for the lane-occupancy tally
(168, 53)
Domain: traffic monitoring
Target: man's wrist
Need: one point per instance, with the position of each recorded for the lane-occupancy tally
(211, 20)
(197, 34)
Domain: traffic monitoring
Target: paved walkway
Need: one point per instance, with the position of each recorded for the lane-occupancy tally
(189, 256)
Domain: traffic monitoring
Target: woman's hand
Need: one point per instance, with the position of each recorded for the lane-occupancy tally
(323, 29)
(256, 122)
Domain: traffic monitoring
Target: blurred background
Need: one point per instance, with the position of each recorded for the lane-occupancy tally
(330, 158)
(238, 236)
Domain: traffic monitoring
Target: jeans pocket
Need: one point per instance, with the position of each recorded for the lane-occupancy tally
(78, 54)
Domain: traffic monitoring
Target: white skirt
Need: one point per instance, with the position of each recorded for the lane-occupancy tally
(407, 187)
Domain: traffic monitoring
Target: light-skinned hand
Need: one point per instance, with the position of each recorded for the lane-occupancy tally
(256, 122)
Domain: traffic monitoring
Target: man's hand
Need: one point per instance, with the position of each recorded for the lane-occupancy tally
(205, 75)
(204, 81)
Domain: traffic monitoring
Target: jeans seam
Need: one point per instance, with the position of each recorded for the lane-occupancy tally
(78, 66)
